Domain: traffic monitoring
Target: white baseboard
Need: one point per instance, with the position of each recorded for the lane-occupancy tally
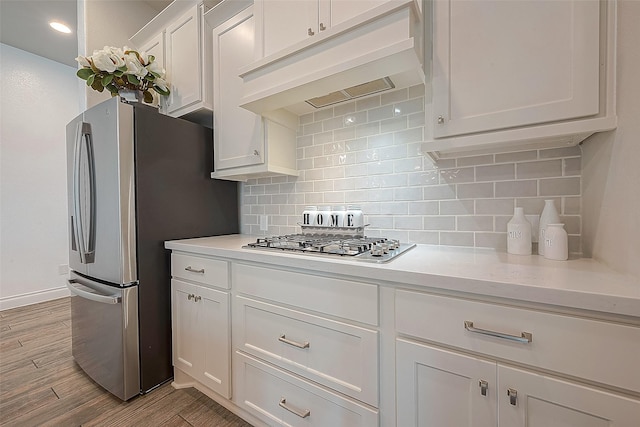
(33, 298)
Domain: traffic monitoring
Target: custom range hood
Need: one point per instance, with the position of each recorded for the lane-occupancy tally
(378, 50)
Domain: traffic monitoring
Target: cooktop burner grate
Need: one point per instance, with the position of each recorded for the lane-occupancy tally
(361, 248)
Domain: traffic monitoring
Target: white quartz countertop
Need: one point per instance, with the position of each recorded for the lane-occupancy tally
(583, 284)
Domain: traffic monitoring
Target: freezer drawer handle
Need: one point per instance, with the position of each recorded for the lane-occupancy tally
(193, 270)
(283, 404)
(283, 339)
(525, 337)
(105, 299)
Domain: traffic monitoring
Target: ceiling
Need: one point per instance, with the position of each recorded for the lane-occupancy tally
(24, 24)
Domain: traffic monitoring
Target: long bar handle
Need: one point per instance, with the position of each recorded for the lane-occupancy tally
(85, 249)
(524, 338)
(283, 339)
(193, 270)
(301, 414)
(105, 299)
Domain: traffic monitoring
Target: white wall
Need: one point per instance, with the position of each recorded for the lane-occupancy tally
(38, 98)
(611, 162)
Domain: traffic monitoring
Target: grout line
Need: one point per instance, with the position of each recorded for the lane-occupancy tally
(54, 392)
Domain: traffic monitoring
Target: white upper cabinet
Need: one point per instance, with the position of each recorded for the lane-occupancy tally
(303, 19)
(155, 47)
(507, 74)
(184, 62)
(245, 144)
(181, 34)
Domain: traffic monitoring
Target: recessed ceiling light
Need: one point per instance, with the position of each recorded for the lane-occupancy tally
(58, 26)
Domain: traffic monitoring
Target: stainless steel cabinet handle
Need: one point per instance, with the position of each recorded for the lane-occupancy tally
(197, 298)
(513, 396)
(440, 120)
(301, 414)
(484, 386)
(310, 32)
(190, 297)
(524, 338)
(193, 270)
(283, 339)
(256, 153)
(322, 27)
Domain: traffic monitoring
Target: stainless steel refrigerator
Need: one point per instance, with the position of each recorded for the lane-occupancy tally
(135, 179)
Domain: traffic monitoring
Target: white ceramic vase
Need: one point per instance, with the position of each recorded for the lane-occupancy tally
(556, 243)
(549, 216)
(519, 234)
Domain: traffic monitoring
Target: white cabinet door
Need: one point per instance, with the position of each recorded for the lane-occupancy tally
(541, 401)
(184, 61)
(200, 327)
(286, 22)
(185, 329)
(334, 12)
(440, 388)
(213, 321)
(238, 138)
(501, 64)
(155, 47)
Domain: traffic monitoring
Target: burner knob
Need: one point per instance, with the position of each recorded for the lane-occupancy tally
(377, 250)
(394, 244)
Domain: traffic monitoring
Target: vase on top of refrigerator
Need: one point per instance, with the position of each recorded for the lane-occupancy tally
(135, 179)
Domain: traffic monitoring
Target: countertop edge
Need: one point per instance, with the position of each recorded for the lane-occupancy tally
(503, 283)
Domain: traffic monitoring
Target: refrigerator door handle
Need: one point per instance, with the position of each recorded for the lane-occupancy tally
(86, 249)
(73, 286)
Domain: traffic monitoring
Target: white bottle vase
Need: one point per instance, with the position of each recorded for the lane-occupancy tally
(549, 216)
(556, 242)
(519, 234)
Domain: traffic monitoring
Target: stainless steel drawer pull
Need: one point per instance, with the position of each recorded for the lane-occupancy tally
(525, 338)
(197, 298)
(190, 297)
(283, 404)
(484, 386)
(193, 270)
(283, 339)
(513, 396)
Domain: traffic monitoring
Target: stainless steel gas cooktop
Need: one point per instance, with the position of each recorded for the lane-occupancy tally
(360, 248)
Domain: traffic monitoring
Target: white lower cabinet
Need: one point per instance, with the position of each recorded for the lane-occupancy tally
(200, 325)
(482, 381)
(438, 387)
(281, 399)
(304, 353)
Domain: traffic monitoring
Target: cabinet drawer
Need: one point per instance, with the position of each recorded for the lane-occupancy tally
(335, 297)
(204, 270)
(281, 399)
(334, 354)
(590, 349)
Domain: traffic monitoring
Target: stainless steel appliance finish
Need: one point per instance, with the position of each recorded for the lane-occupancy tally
(359, 248)
(111, 359)
(136, 178)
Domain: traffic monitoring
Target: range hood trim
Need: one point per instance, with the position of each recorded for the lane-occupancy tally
(320, 68)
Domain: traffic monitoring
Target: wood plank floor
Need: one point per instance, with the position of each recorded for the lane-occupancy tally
(41, 385)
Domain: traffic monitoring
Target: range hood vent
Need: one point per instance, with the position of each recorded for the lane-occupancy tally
(352, 92)
(380, 49)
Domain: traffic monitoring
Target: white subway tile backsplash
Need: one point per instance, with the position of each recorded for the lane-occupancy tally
(560, 186)
(516, 188)
(540, 169)
(440, 222)
(495, 172)
(456, 207)
(474, 223)
(370, 152)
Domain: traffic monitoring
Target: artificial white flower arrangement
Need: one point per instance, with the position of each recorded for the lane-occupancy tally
(116, 69)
